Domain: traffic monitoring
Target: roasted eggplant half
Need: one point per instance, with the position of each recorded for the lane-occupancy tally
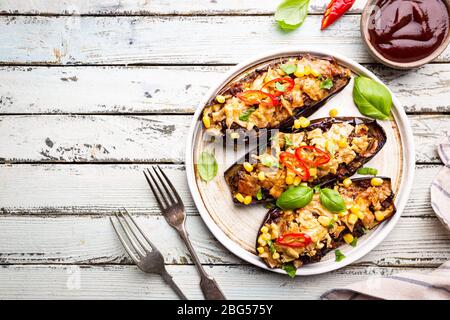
(274, 95)
(328, 149)
(305, 235)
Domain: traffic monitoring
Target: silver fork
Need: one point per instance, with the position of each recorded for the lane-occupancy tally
(172, 208)
(145, 255)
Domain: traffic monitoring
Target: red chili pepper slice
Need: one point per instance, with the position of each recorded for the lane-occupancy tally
(335, 9)
(312, 156)
(294, 240)
(271, 87)
(293, 163)
(252, 97)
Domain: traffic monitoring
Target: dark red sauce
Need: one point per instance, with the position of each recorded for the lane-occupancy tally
(408, 30)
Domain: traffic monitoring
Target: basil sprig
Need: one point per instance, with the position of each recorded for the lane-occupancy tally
(326, 84)
(290, 269)
(372, 98)
(332, 200)
(288, 68)
(246, 114)
(207, 166)
(290, 14)
(339, 255)
(295, 198)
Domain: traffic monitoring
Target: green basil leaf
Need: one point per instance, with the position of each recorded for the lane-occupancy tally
(279, 87)
(288, 68)
(372, 98)
(268, 161)
(271, 247)
(295, 198)
(339, 255)
(290, 269)
(332, 200)
(288, 141)
(259, 195)
(207, 166)
(326, 84)
(354, 242)
(366, 171)
(290, 14)
(246, 114)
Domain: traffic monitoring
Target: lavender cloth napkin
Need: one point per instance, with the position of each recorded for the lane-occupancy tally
(411, 286)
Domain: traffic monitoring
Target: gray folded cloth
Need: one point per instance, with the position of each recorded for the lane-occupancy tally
(411, 286)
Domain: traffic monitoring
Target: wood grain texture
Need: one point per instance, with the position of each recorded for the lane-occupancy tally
(186, 40)
(127, 282)
(415, 241)
(172, 89)
(155, 7)
(96, 190)
(107, 138)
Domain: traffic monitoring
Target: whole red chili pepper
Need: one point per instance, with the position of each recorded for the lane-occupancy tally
(335, 10)
(318, 156)
(294, 240)
(287, 83)
(293, 163)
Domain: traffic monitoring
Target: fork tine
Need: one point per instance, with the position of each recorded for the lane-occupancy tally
(164, 183)
(142, 233)
(130, 237)
(148, 175)
(122, 240)
(174, 191)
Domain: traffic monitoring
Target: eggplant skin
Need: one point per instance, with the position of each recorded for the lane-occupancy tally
(234, 172)
(275, 214)
(311, 106)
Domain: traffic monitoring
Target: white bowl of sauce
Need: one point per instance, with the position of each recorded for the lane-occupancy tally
(406, 34)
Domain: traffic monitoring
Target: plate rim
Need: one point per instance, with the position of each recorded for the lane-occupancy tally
(376, 237)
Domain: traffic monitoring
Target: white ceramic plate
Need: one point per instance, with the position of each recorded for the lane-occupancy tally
(236, 227)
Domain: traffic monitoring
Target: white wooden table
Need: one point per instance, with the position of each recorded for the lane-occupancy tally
(92, 92)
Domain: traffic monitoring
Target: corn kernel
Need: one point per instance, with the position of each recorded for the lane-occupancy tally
(260, 250)
(304, 122)
(307, 70)
(343, 214)
(266, 236)
(314, 72)
(348, 238)
(239, 197)
(261, 241)
(276, 255)
(264, 229)
(352, 218)
(297, 124)
(248, 167)
(360, 215)
(248, 200)
(297, 180)
(289, 180)
(379, 215)
(324, 220)
(234, 135)
(342, 143)
(206, 122)
(333, 113)
(376, 182)
(261, 176)
(300, 72)
(304, 184)
(355, 209)
(347, 182)
(313, 172)
(220, 99)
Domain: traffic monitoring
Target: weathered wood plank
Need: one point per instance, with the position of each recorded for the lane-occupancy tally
(192, 40)
(170, 89)
(158, 7)
(94, 138)
(99, 189)
(83, 240)
(127, 282)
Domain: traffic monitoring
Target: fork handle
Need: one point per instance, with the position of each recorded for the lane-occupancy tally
(209, 286)
(169, 280)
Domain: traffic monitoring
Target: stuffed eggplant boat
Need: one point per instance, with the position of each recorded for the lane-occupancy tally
(275, 95)
(328, 149)
(305, 235)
